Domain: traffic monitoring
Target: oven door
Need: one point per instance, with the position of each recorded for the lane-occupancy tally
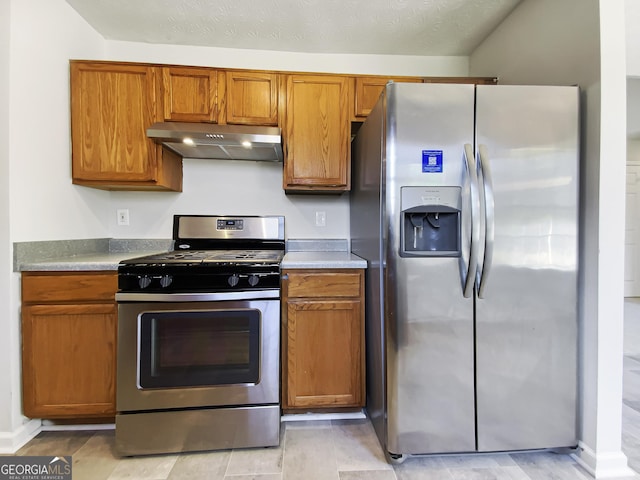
(184, 351)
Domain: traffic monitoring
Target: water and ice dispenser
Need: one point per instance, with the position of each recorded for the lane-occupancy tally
(430, 221)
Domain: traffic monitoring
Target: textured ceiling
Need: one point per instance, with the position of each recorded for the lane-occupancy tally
(396, 27)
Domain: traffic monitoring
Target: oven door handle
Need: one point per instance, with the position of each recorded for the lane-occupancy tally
(197, 297)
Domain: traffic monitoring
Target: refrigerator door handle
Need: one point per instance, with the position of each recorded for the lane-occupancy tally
(484, 168)
(469, 281)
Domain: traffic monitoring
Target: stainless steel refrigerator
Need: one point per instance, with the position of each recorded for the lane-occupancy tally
(465, 206)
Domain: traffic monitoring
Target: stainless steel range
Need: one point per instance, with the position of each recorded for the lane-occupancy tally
(199, 339)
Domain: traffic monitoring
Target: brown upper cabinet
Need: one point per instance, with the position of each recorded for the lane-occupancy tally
(209, 95)
(368, 90)
(317, 134)
(251, 98)
(190, 94)
(112, 104)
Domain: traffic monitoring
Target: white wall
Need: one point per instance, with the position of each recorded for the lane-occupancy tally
(287, 61)
(632, 18)
(37, 199)
(229, 188)
(44, 35)
(543, 41)
(633, 151)
(49, 207)
(557, 42)
(633, 104)
(8, 339)
(247, 187)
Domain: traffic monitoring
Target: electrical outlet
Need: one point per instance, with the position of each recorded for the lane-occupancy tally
(321, 219)
(123, 216)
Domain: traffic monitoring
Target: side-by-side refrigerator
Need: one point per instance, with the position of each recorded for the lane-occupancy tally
(465, 206)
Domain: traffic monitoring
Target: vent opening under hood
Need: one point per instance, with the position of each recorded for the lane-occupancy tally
(219, 142)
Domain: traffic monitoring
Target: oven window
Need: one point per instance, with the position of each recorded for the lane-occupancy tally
(199, 348)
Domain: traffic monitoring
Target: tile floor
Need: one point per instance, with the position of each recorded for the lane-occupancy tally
(340, 449)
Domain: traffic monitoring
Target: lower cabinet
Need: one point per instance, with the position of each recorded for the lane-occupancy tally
(69, 331)
(323, 339)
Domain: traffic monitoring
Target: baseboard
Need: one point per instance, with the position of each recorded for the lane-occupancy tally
(11, 442)
(48, 426)
(603, 465)
(305, 417)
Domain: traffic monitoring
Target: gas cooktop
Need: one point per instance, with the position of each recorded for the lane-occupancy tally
(213, 253)
(194, 257)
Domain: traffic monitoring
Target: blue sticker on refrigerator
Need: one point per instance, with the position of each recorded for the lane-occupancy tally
(431, 161)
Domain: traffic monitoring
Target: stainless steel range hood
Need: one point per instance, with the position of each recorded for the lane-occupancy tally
(219, 142)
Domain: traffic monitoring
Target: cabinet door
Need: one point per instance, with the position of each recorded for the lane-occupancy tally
(190, 94)
(69, 360)
(111, 107)
(252, 98)
(324, 343)
(368, 90)
(317, 133)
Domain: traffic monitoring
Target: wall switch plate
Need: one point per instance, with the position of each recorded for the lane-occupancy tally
(123, 216)
(321, 219)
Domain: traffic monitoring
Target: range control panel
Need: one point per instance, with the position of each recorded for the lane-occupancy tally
(230, 224)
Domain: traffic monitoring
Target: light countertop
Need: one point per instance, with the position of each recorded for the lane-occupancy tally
(106, 254)
(323, 253)
(320, 259)
(89, 262)
(77, 255)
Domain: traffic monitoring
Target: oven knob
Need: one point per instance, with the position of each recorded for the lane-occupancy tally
(165, 281)
(234, 279)
(253, 280)
(144, 281)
